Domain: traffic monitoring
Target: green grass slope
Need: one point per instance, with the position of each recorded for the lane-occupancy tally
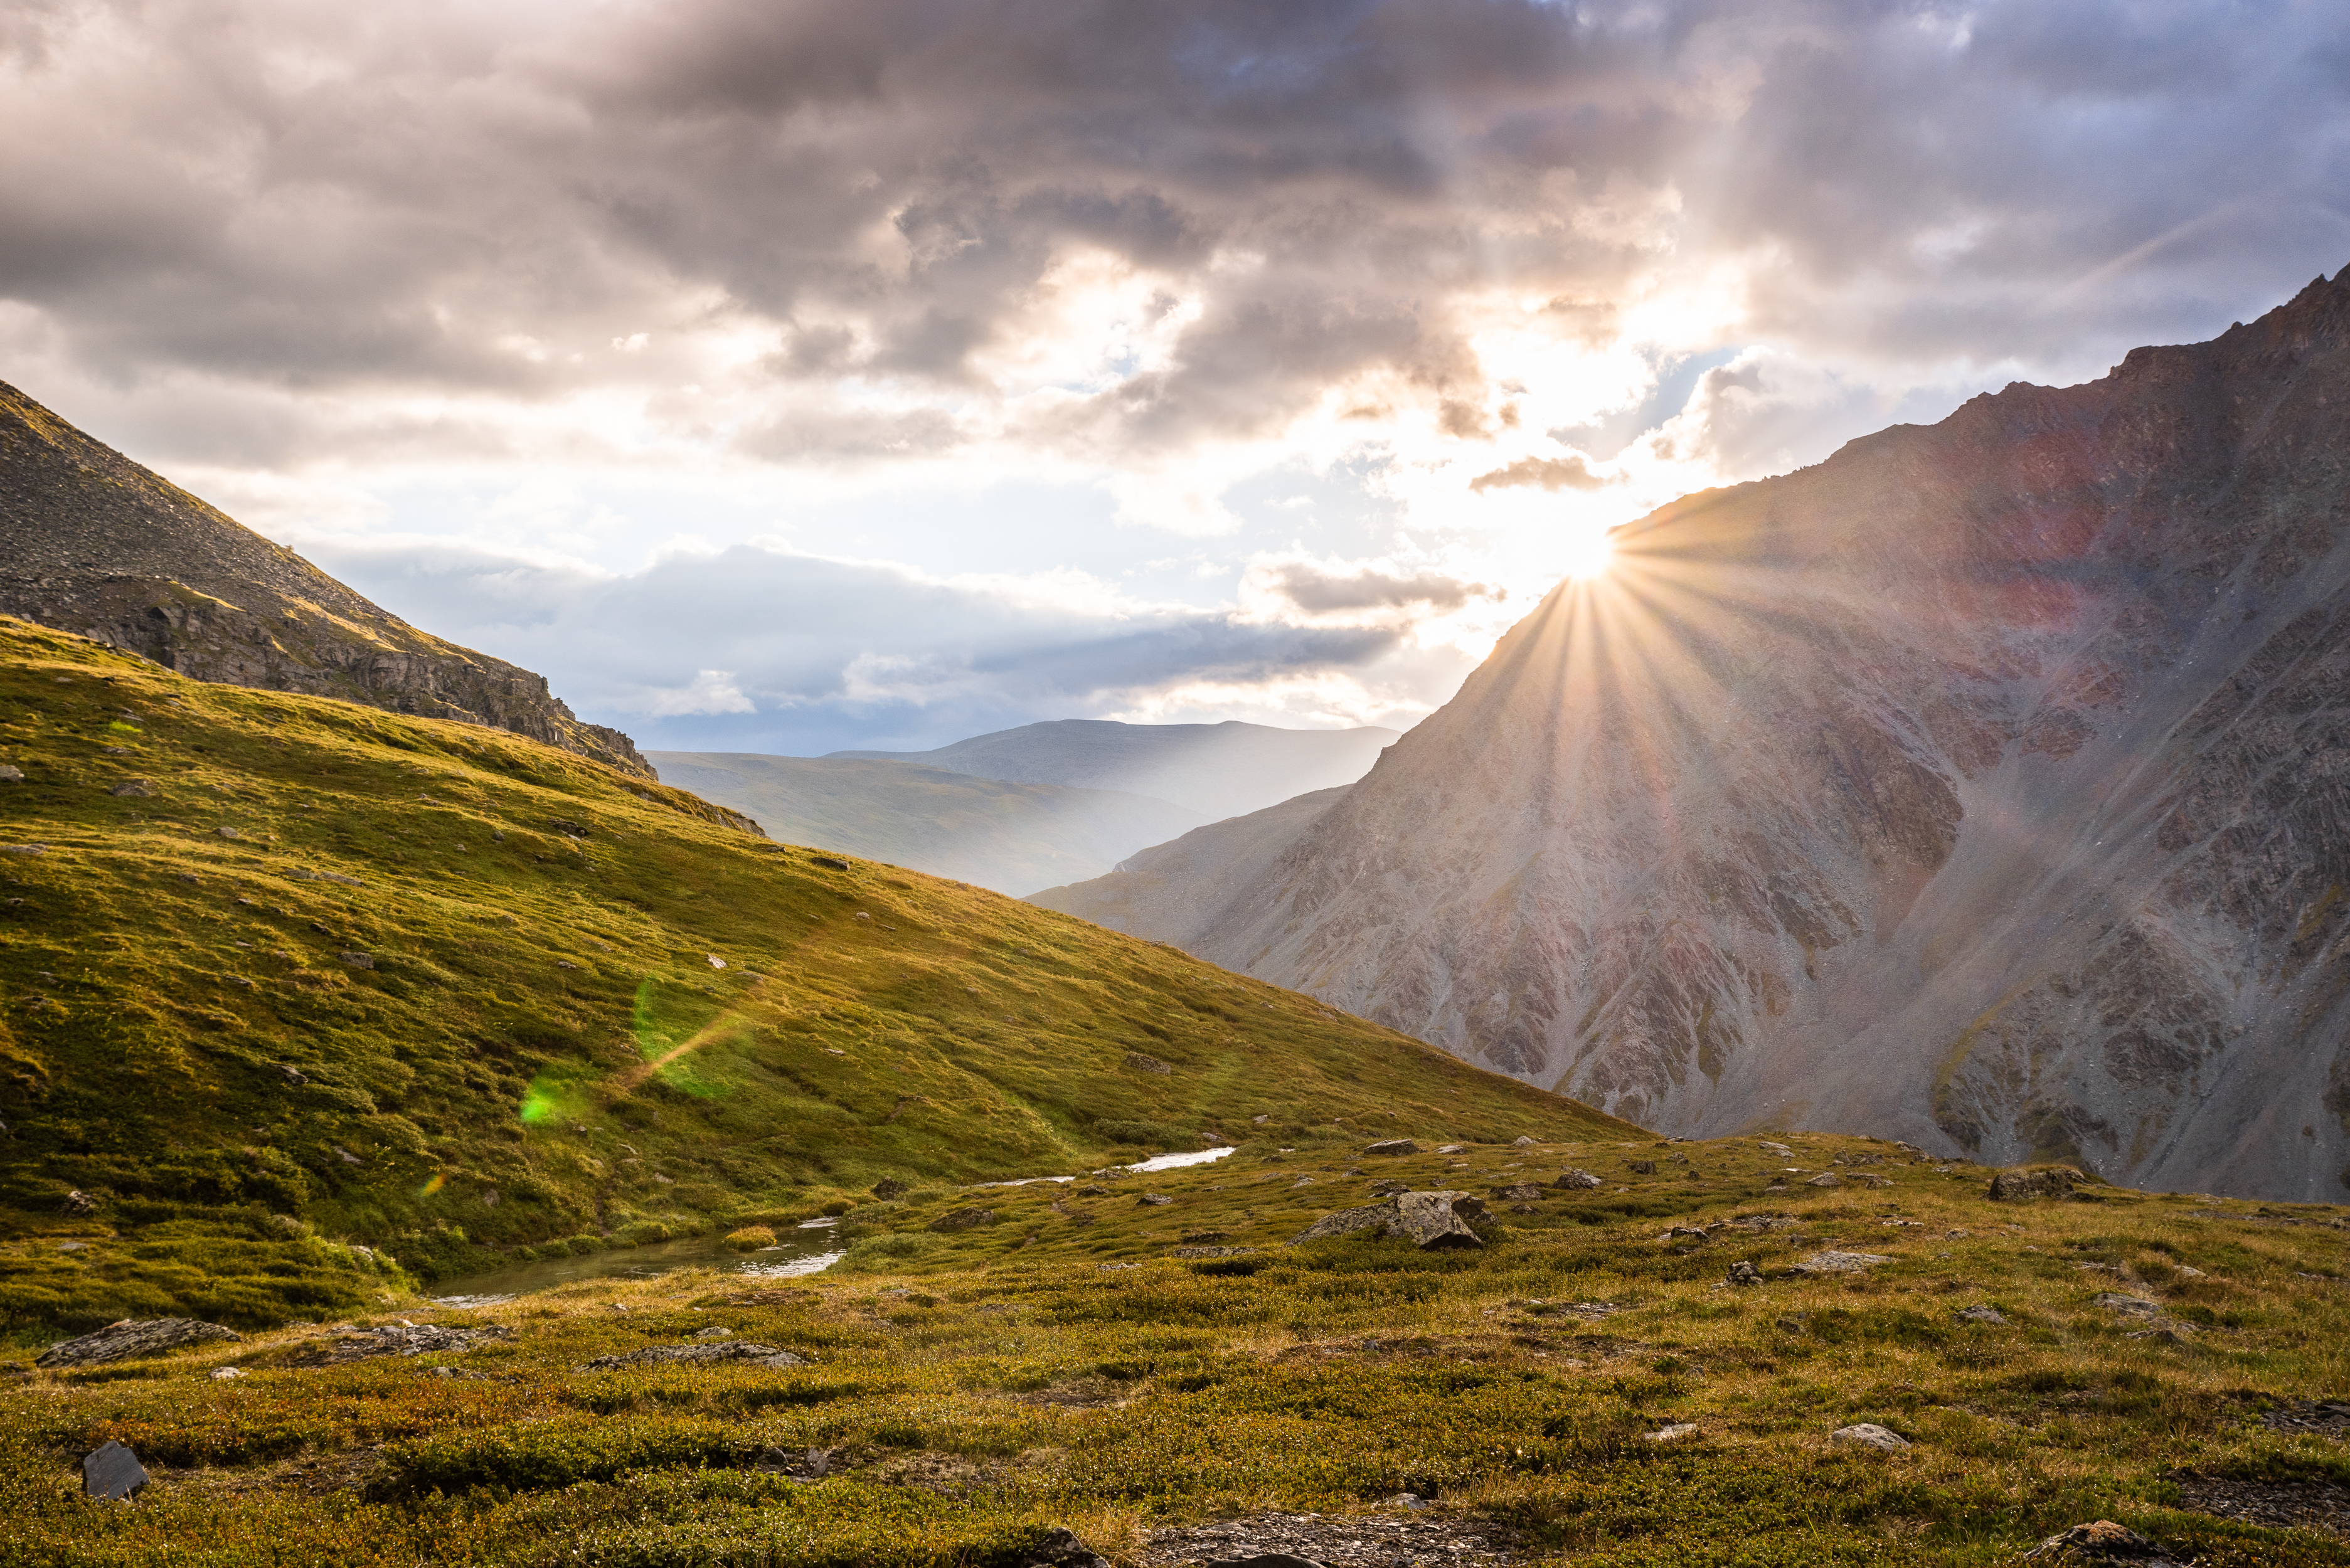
(300, 997)
(1585, 1388)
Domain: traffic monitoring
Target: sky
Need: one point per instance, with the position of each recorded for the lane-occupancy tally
(789, 377)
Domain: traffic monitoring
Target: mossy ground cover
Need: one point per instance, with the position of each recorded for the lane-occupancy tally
(308, 1002)
(1069, 1365)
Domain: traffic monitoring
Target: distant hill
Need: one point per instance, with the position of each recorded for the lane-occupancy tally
(92, 543)
(1214, 770)
(279, 973)
(1177, 892)
(1012, 837)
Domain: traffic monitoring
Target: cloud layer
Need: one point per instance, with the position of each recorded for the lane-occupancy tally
(1460, 254)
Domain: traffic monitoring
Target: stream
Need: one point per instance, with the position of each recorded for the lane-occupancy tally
(810, 1249)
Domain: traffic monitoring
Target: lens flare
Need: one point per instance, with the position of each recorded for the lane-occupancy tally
(437, 1182)
(1586, 551)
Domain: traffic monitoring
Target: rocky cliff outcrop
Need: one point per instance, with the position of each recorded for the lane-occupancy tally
(1986, 785)
(90, 542)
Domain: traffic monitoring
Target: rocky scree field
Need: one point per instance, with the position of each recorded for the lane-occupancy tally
(302, 1002)
(1171, 1381)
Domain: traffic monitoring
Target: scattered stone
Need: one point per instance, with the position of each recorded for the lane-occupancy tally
(1061, 1549)
(2102, 1543)
(1519, 1192)
(359, 960)
(1393, 1145)
(1521, 1141)
(1687, 1233)
(2278, 1505)
(2047, 1181)
(2328, 1416)
(1449, 1148)
(715, 961)
(226, 832)
(1143, 1063)
(2186, 1272)
(1578, 1181)
(1835, 1262)
(1208, 1251)
(112, 1473)
(1389, 1189)
(140, 787)
(344, 1345)
(1980, 1314)
(77, 1201)
(827, 862)
(1642, 1166)
(963, 1219)
(1825, 1179)
(227, 1374)
(708, 1354)
(889, 1186)
(292, 1076)
(14, 776)
(23, 849)
(1869, 1434)
(1781, 1149)
(1743, 1273)
(2134, 1306)
(133, 1338)
(1335, 1540)
(1152, 1201)
(1671, 1434)
(714, 1332)
(346, 1156)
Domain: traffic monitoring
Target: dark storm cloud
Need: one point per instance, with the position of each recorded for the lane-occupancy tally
(482, 199)
(810, 653)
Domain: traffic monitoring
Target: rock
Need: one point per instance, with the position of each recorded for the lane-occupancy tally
(1743, 1273)
(1642, 1166)
(1670, 1434)
(346, 1156)
(1449, 1147)
(708, 1354)
(137, 787)
(963, 1219)
(1687, 1233)
(1575, 1180)
(292, 1075)
(1152, 1201)
(2045, 1181)
(16, 775)
(1521, 1141)
(715, 961)
(1869, 1434)
(1835, 1262)
(350, 1345)
(359, 960)
(828, 863)
(112, 1473)
(1393, 1145)
(1060, 1549)
(227, 1374)
(1210, 1252)
(1781, 1149)
(2185, 1272)
(130, 1338)
(889, 1186)
(1430, 1220)
(1142, 1063)
(1389, 1189)
(1267, 1560)
(23, 849)
(1980, 1314)
(1519, 1192)
(1825, 1179)
(2134, 1306)
(2101, 1543)
(77, 1202)
(713, 1332)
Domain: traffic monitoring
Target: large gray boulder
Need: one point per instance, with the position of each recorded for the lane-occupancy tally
(1432, 1221)
(133, 1338)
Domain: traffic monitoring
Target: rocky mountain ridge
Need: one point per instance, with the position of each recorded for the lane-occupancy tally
(93, 542)
(1987, 786)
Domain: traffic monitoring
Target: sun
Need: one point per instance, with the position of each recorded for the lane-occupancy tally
(1587, 550)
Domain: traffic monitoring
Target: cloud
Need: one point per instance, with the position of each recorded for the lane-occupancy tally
(1319, 589)
(1572, 472)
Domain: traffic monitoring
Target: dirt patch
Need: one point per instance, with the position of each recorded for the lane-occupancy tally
(2280, 1505)
(1343, 1540)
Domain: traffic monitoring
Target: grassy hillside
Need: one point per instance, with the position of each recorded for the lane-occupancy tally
(279, 974)
(1585, 1388)
(1012, 837)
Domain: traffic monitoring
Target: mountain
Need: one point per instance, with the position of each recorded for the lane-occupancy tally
(1012, 837)
(1982, 786)
(91, 542)
(1213, 770)
(1179, 891)
(297, 995)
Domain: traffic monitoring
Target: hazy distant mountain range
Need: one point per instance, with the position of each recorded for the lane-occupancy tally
(1026, 808)
(1216, 770)
(92, 543)
(1987, 786)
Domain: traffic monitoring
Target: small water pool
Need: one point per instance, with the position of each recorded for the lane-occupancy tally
(809, 1251)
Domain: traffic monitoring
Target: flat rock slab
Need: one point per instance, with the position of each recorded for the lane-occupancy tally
(1869, 1434)
(2103, 1542)
(2278, 1505)
(1393, 1145)
(704, 1355)
(112, 1473)
(1340, 1540)
(1836, 1262)
(131, 1338)
(393, 1339)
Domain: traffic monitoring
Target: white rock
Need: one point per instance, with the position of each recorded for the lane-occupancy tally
(1869, 1434)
